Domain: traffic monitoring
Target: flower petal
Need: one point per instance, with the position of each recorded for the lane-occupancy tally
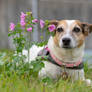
(42, 23)
(29, 29)
(35, 21)
(52, 27)
(12, 26)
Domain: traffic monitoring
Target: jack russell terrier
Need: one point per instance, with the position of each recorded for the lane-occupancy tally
(65, 50)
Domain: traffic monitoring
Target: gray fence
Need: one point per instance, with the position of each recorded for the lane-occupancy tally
(48, 9)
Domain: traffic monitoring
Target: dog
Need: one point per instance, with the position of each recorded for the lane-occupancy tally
(65, 50)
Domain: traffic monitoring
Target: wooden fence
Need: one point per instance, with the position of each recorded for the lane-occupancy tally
(48, 9)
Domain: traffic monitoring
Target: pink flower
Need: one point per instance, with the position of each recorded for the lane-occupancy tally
(29, 29)
(42, 23)
(51, 28)
(22, 23)
(12, 26)
(35, 21)
(22, 19)
(23, 15)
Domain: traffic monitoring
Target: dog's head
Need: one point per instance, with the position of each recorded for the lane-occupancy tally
(70, 33)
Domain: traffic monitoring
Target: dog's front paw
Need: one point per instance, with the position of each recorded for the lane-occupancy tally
(88, 82)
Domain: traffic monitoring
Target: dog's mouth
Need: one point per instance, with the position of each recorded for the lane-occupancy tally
(67, 47)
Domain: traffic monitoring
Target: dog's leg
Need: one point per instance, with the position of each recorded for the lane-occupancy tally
(88, 82)
(50, 70)
(78, 75)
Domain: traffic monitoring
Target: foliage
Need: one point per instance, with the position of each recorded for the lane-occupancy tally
(21, 39)
(21, 81)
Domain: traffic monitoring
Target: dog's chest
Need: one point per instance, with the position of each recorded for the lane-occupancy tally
(53, 71)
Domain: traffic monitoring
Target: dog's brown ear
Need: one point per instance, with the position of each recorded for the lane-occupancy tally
(55, 22)
(87, 28)
(90, 26)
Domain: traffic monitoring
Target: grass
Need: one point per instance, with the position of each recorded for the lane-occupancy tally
(14, 83)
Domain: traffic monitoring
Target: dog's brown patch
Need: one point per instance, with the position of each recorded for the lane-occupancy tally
(58, 35)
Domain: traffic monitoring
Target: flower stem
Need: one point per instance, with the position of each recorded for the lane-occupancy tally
(28, 47)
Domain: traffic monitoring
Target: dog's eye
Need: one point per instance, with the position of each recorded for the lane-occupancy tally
(60, 29)
(76, 29)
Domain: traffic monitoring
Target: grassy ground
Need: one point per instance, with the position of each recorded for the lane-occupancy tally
(14, 83)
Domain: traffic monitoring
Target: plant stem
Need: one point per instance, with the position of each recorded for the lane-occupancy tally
(22, 48)
(43, 88)
(21, 43)
(28, 47)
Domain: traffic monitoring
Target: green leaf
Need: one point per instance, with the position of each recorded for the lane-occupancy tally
(47, 80)
(40, 44)
(37, 65)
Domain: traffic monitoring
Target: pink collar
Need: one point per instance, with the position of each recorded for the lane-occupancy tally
(59, 62)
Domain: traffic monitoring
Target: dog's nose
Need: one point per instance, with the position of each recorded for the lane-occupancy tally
(66, 41)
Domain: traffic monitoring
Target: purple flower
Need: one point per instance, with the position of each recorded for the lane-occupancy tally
(29, 29)
(22, 19)
(42, 23)
(23, 15)
(22, 23)
(51, 28)
(35, 21)
(12, 26)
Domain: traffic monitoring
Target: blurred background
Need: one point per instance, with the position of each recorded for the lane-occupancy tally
(45, 9)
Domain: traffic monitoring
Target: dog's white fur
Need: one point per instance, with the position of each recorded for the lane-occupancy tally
(53, 71)
(33, 52)
(56, 71)
(70, 55)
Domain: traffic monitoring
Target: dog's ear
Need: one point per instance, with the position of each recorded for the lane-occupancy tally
(55, 22)
(87, 28)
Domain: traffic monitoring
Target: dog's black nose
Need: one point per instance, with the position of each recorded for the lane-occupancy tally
(66, 41)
